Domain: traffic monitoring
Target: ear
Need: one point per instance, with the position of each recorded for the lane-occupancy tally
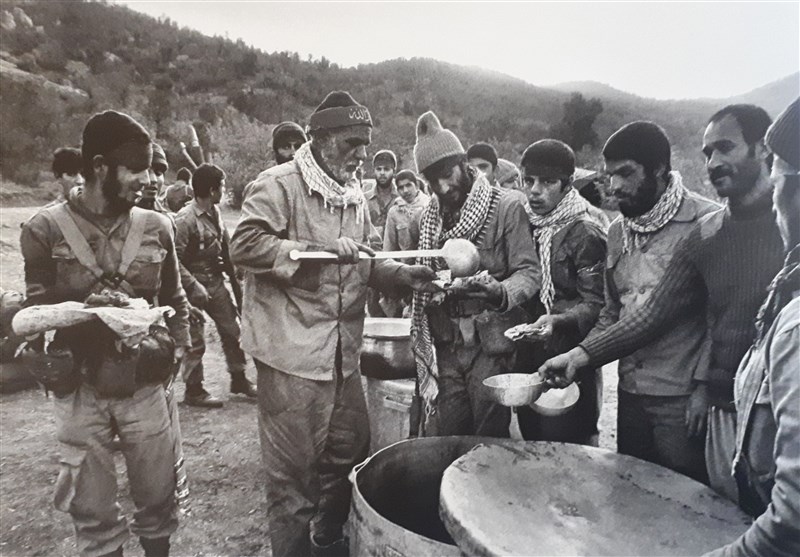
(760, 150)
(100, 166)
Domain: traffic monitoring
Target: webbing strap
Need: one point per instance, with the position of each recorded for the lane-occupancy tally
(65, 220)
(75, 239)
(134, 240)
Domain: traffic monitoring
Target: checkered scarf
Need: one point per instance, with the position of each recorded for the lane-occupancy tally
(474, 214)
(636, 230)
(333, 194)
(572, 207)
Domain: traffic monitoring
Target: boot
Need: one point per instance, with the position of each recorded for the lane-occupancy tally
(198, 396)
(241, 385)
(155, 547)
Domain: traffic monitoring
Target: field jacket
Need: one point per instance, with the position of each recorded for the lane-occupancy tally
(295, 313)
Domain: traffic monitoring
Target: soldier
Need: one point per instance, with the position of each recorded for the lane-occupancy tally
(202, 244)
(97, 239)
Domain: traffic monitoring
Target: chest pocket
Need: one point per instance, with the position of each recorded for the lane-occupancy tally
(72, 277)
(144, 272)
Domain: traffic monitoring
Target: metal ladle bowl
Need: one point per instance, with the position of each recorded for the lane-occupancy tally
(461, 256)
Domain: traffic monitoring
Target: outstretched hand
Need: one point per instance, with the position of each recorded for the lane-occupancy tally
(419, 277)
(561, 370)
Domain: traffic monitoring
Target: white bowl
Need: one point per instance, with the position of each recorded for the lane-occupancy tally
(555, 402)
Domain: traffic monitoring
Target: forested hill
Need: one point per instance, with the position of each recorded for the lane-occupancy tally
(62, 61)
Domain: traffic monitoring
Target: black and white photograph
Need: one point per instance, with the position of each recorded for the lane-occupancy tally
(399, 278)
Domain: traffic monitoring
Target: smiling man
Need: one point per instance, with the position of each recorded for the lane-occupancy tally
(97, 239)
(720, 273)
(303, 322)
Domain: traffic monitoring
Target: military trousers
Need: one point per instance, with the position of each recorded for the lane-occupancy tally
(221, 309)
(312, 434)
(87, 483)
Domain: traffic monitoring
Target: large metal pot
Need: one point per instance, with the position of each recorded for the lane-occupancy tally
(386, 349)
(395, 504)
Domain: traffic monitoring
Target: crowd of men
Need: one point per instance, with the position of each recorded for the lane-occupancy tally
(674, 289)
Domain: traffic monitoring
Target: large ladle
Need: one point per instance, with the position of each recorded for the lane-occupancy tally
(461, 256)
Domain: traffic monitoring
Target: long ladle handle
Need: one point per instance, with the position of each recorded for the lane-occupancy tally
(296, 255)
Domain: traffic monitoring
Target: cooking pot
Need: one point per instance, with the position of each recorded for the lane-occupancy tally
(386, 349)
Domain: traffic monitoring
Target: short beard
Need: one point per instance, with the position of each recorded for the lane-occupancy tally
(111, 189)
(385, 182)
(644, 200)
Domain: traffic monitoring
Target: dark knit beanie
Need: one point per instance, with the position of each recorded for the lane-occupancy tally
(406, 175)
(434, 143)
(783, 136)
(643, 142)
(483, 151)
(107, 131)
(549, 158)
(285, 132)
(385, 156)
(159, 158)
(339, 110)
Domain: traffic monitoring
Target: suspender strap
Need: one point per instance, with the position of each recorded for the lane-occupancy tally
(75, 239)
(134, 239)
(65, 220)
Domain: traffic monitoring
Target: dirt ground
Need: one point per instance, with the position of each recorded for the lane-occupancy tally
(227, 499)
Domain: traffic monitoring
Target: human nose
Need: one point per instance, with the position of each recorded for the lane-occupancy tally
(80, 180)
(361, 152)
(615, 184)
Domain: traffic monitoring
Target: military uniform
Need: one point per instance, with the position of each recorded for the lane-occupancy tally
(86, 420)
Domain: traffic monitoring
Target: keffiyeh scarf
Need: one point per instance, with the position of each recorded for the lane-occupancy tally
(570, 208)
(636, 230)
(478, 207)
(333, 194)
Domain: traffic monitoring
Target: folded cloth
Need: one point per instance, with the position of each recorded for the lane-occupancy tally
(131, 324)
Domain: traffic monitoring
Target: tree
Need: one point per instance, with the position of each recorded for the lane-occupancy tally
(576, 128)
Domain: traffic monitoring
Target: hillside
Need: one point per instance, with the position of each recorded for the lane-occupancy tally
(57, 69)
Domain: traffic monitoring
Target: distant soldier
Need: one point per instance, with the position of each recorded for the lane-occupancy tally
(97, 239)
(381, 198)
(152, 192)
(483, 157)
(180, 193)
(287, 137)
(202, 244)
(507, 175)
(67, 166)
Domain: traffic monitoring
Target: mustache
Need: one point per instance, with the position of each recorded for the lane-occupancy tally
(721, 172)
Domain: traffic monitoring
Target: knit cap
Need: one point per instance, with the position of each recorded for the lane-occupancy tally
(549, 158)
(783, 136)
(339, 110)
(483, 151)
(106, 131)
(506, 170)
(434, 143)
(385, 156)
(643, 142)
(159, 158)
(286, 132)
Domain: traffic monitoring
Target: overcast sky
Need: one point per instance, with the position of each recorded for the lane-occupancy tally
(662, 50)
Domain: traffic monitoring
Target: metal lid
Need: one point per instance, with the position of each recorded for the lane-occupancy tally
(539, 498)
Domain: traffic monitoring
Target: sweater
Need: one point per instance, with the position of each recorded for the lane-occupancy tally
(723, 269)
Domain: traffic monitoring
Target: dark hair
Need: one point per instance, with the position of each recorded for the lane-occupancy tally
(67, 160)
(752, 119)
(184, 174)
(433, 171)
(643, 142)
(205, 178)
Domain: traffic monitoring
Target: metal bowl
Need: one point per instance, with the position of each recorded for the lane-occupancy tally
(515, 389)
(557, 401)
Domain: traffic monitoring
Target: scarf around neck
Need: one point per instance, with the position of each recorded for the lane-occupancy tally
(478, 207)
(636, 230)
(571, 208)
(334, 195)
